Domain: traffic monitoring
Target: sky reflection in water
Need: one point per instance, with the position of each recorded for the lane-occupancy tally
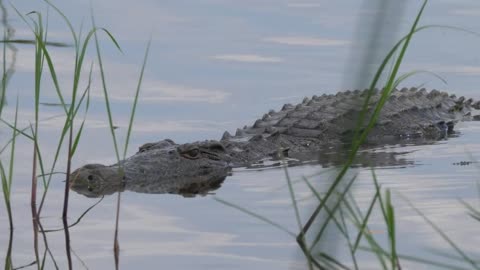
(218, 65)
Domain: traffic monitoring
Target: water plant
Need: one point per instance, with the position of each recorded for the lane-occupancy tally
(69, 134)
(339, 204)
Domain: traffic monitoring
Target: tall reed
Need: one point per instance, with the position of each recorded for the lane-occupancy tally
(361, 132)
(116, 245)
(42, 55)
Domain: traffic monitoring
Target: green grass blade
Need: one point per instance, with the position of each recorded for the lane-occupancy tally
(32, 42)
(137, 92)
(105, 92)
(421, 260)
(17, 130)
(364, 223)
(4, 76)
(87, 106)
(257, 216)
(391, 228)
(12, 149)
(5, 187)
(474, 213)
(337, 204)
(301, 238)
(327, 209)
(333, 261)
(445, 237)
(72, 30)
(79, 219)
(415, 72)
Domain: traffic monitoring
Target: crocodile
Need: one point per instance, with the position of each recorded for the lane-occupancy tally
(320, 125)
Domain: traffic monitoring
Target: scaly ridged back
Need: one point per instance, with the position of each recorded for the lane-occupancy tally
(406, 112)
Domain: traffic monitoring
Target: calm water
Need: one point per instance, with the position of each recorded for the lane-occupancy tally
(216, 65)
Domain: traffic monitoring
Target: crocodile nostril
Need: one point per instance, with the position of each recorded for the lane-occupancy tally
(217, 147)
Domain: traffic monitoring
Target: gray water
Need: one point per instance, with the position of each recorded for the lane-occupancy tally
(217, 65)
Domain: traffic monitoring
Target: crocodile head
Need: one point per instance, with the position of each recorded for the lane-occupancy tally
(94, 180)
(163, 164)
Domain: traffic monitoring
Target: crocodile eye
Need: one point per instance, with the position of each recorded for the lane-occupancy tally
(90, 177)
(191, 154)
(90, 188)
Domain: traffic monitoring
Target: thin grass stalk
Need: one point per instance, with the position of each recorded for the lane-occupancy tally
(8, 72)
(32, 42)
(297, 212)
(347, 237)
(474, 213)
(341, 196)
(8, 256)
(445, 237)
(6, 194)
(80, 51)
(80, 259)
(116, 244)
(391, 80)
(87, 106)
(4, 73)
(105, 93)
(340, 225)
(309, 256)
(78, 219)
(38, 75)
(325, 263)
(22, 131)
(388, 217)
(419, 260)
(430, 262)
(39, 42)
(47, 248)
(12, 149)
(41, 49)
(341, 228)
(391, 230)
(361, 223)
(7, 180)
(363, 135)
(67, 243)
(65, 200)
(363, 226)
(257, 216)
(9, 142)
(384, 63)
(353, 208)
(451, 257)
(137, 93)
(333, 261)
(7, 183)
(33, 200)
(66, 126)
(377, 249)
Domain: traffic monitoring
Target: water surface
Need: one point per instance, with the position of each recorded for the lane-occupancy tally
(217, 65)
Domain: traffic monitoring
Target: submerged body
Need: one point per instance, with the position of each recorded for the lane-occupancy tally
(316, 125)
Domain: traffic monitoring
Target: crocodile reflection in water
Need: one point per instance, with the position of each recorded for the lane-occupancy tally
(204, 185)
(187, 187)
